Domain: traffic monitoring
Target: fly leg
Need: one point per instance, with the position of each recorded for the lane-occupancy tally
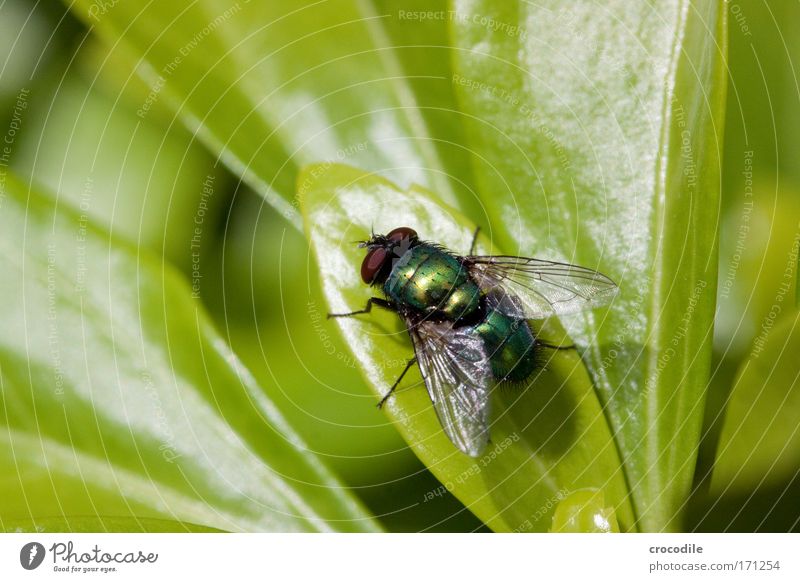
(368, 307)
(410, 363)
(474, 240)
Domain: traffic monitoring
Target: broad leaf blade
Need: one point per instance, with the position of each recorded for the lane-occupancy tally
(547, 441)
(760, 440)
(270, 86)
(596, 132)
(118, 398)
(103, 524)
(137, 179)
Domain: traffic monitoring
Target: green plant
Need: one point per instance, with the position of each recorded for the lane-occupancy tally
(586, 133)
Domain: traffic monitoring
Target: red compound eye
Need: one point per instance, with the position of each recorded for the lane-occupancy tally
(401, 233)
(372, 264)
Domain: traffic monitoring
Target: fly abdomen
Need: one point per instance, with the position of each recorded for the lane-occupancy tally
(510, 344)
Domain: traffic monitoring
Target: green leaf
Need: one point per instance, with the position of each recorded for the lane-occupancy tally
(596, 132)
(758, 251)
(270, 86)
(419, 32)
(144, 182)
(759, 204)
(760, 440)
(274, 320)
(758, 261)
(118, 397)
(763, 70)
(547, 441)
(23, 33)
(103, 524)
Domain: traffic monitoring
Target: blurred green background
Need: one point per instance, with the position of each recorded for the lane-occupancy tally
(81, 132)
(147, 173)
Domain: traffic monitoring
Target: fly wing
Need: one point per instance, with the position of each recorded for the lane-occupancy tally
(544, 287)
(458, 376)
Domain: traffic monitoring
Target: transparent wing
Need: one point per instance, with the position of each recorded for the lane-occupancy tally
(543, 287)
(458, 377)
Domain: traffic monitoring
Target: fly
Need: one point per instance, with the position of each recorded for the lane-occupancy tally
(468, 319)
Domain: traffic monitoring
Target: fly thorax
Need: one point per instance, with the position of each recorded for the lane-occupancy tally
(462, 301)
(432, 281)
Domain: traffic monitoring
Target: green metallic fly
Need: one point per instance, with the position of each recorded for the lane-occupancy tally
(468, 319)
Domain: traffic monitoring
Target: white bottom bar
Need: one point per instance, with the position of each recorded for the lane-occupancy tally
(401, 557)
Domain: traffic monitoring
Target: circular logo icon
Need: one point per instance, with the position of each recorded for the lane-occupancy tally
(31, 555)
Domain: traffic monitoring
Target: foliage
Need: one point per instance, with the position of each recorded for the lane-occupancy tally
(164, 374)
